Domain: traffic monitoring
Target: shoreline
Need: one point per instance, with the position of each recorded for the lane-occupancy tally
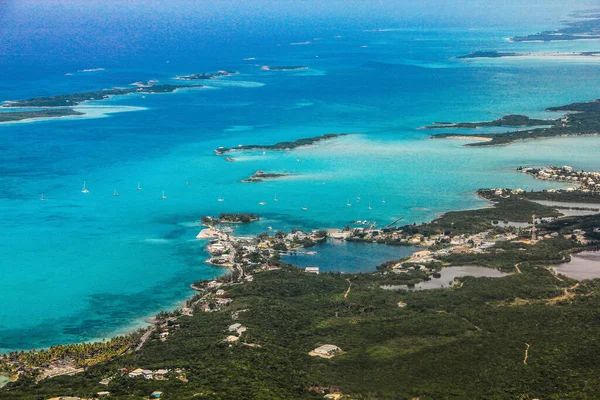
(86, 112)
(233, 252)
(487, 140)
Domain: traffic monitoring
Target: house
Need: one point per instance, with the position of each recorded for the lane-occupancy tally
(65, 398)
(231, 339)
(136, 373)
(234, 327)
(103, 394)
(212, 284)
(156, 395)
(326, 351)
(105, 381)
(338, 234)
(224, 302)
(147, 374)
(160, 373)
(313, 270)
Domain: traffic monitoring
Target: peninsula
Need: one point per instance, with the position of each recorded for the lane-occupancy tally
(587, 181)
(581, 119)
(281, 145)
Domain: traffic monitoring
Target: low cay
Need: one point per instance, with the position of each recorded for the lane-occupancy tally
(281, 145)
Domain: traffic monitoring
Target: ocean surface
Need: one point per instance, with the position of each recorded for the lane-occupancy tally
(87, 266)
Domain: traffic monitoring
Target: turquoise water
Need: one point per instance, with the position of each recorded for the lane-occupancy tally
(348, 257)
(86, 266)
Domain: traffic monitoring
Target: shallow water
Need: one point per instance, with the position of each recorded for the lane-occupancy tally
(348, 257)
(584, 265)
(448, 275)
(85, 266)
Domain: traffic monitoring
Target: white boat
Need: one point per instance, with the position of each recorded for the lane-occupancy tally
(84, 190)
(304, 208)
(188, 182)
(139, 187)
(358, 199)
(348, 203)
(275, 198)
(262, 203)
(42, 198)
(115, 193)
(270, 228)
(370, 208)
(383, 200)
(163, 195)
(220, 199)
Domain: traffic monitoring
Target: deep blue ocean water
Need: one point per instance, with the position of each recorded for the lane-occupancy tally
(82, 267)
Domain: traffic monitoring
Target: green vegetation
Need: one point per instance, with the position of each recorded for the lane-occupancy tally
(507, 120)
(582, 119)
(260, 176)
(213, 75)
(464, 342)
(487, 54)
(66, 100)
(505, 255)
(282, 145)
(25, 115)
(525, 336)
(508, 206)
(575, 196)
(587, 28)
(590, 224)
(230, 218)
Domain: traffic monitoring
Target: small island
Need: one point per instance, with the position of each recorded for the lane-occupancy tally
(213, 75)
(506, 121)
(557, 54)
(283, 67)
(69, 100)
(582, 119)
(261, 176)
(281, 145)
(29, 115)
(486, 54)
(230, 218)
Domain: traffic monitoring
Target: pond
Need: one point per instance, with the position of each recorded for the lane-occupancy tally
(348, 257)
(584, 265)
(448, 275)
